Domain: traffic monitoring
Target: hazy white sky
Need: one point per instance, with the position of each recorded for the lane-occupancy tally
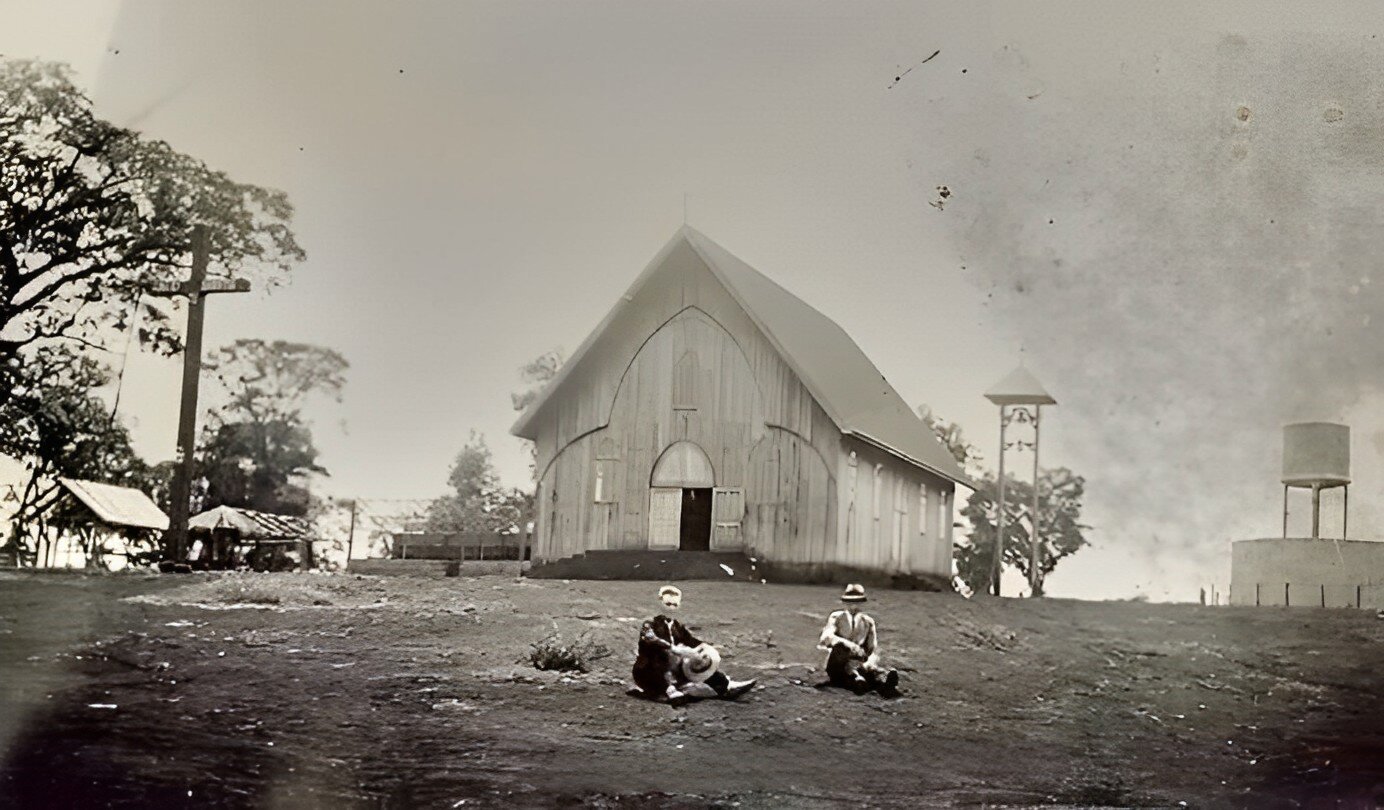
(477, 183)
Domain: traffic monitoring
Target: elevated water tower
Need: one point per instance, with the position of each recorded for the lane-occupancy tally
(1316, 456)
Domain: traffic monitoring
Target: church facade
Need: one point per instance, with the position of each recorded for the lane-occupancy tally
(712, 410)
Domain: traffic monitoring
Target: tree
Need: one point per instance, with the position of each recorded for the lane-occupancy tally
(478, 504)
(536, 374)
(1059, 510)
(256, 449)
(54, 425)
(1060, 528)
(268, 381)
(965, 453)
(92, 214)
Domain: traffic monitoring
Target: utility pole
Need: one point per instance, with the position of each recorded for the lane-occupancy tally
(196, 288)
(351, 535)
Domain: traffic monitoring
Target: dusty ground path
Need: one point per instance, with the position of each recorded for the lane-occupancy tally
(305, 691)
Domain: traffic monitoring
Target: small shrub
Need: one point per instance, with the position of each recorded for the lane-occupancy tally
(551, 653)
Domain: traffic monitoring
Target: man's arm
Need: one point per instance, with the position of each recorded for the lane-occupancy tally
(830, 639)
(871, 646)
(647, 633)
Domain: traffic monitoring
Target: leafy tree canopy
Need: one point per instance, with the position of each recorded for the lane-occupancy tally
(1061, 532)
(478, 502)
(92, 214)
(256, 449)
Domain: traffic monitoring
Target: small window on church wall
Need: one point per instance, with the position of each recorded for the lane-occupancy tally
(900, 508)
(879, 481)
(604, 486)
(685, 375)
(942, 527)
(922, 509)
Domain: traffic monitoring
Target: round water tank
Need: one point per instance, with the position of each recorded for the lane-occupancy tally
(1316, 453)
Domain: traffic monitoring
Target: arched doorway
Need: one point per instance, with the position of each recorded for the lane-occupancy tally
(680, 492)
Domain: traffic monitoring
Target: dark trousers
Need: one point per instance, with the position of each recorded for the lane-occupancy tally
(848, 672)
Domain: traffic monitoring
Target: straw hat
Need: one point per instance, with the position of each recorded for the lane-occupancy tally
(700, 664)
(670, 596)
(855, 592)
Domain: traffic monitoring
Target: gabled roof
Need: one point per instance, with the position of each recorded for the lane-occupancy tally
(251, 523)
(852, 391)
(117, 506)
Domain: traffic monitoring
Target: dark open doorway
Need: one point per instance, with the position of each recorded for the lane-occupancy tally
(696, 520)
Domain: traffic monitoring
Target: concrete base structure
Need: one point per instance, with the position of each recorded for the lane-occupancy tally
(1301, 572)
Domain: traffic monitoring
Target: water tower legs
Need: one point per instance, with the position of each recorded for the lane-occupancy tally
(1316, 511)
(1285, 512)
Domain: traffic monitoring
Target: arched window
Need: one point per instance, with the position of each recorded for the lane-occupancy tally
(685, 374)
(683, 465)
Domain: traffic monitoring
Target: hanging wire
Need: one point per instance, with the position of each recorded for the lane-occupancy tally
(125, 361)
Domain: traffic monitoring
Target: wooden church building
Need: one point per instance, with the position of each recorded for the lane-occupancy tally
(714, 411)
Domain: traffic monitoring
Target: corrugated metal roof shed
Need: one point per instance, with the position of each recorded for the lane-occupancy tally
(841, 378)
(251, 523)
(115, 505)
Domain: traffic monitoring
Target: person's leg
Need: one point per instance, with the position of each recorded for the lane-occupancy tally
(844, 670)
(884, 681)
(719, 682)
(839, 666)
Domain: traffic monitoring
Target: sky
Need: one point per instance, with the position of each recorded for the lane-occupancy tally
(1167, 211)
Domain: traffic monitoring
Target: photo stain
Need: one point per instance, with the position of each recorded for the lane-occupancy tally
(1242, 113)
(1333, 113)
(943, 194)
(899, 77)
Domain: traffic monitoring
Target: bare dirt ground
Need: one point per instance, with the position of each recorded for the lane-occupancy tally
(283, 690)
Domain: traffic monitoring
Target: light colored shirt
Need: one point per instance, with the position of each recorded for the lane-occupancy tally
(858, 629)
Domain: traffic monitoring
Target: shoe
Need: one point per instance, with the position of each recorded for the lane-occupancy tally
(676, 698)
(737, 688)
(860, 686)
(891, 681)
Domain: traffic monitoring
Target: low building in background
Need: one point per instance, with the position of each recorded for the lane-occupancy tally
(230, 537)
(101, 526)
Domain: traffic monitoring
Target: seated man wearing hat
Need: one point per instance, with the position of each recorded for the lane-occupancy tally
(852, 648)
(674, 665)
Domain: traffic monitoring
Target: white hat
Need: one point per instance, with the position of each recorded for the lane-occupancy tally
(854, 592)
(700, 665)
(669, 595)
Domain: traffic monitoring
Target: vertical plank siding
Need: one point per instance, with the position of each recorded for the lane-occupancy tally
(683, 362)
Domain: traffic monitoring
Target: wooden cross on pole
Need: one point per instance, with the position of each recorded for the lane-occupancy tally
(196, 290)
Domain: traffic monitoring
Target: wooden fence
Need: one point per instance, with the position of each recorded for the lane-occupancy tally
(458, 546)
